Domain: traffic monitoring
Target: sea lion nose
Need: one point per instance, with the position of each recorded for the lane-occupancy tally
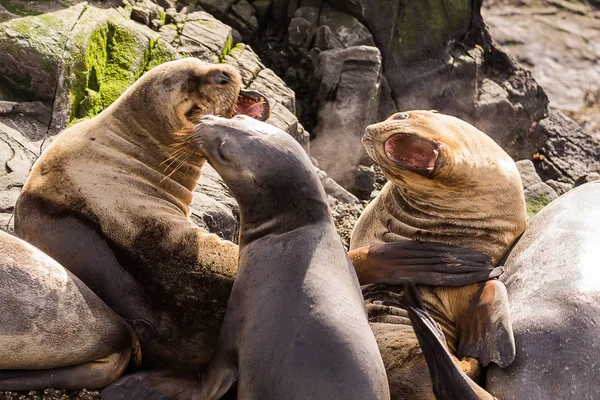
(221, 77)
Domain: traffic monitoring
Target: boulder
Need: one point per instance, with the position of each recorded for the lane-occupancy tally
(348, 98)
(528, 173)
(538, 196)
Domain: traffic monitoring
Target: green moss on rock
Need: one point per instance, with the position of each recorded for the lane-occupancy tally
(116, 53)
(536, 204)
(110, 61)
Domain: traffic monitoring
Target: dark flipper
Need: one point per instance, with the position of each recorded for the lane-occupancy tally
(422, 263)
(154, 385)
(449, 381)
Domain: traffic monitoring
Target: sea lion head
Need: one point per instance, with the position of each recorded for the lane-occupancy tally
(174, 96)
(267, 171)
(433, 149)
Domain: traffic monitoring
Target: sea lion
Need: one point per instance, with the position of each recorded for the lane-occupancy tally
(54, 332)
(449, 183)
(296, 325)
(553, 281)
(104, 202)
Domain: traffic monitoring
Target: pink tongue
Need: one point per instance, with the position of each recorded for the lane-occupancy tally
(411, 151)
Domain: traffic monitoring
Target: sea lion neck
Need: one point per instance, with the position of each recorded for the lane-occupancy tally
(301, 204)
(470, 217)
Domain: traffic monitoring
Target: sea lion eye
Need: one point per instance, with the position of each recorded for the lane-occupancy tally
(401, 116)
(221, 77)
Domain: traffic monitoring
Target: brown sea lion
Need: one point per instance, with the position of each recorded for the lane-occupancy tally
(553, 280)
(54, 332)
(296, 326)
(104, 202)
(449, 183)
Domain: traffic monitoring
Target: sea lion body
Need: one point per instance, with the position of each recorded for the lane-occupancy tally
(552, 277)
(449, 183)
(109, 199)
(54, 331)
(296, 325)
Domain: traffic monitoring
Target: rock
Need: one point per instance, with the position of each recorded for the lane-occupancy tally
(347, 29)
(263, 9)
(558, 41)
(559, 187)
(348, 101)
(593, 176)
(218, 8)
(31, 49)
(325, 39)
(241, 17)
(538, 196)
(528, 173)
(205, 37)
(345, 207)
(364, 182)
(146, 11)
(568, 152)
(303, 25)
(412, 36)
(214, 208)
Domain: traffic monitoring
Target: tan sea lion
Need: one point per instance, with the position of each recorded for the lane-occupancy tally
(296, 326)
(449, 183)
(54, 332)
(109, 200)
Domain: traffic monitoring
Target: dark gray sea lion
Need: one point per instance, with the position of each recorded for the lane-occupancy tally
(54, 332)
(448, 183)
(553, 280)
(104, 202)
(296, 325)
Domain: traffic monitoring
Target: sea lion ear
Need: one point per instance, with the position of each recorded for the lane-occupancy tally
(483, 324)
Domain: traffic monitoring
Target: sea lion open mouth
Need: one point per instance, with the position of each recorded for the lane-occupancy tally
(413, 152)
(253, 104)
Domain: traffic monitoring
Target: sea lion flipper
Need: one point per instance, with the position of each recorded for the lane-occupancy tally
(484, 325)
(449, 381)
(154, 385)
(422, 263)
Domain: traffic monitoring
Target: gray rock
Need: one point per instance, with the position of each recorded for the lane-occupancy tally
(146, 11)
(364, 182)
(204, 37)
(348, 101)
(347, 29)
(559, 187)
(528, 173)
(242, 18)
(301, 33)
(262, 8)
(538, 196)
(325, 39)
(557, 41)
(592, 176)
(569, 152)
(218, 8)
